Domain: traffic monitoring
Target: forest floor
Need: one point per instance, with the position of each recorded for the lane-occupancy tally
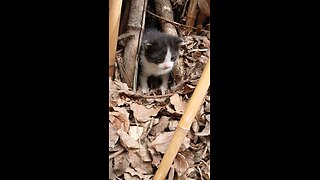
(141, 126)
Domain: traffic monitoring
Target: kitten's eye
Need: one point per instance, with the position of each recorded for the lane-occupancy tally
(173, 58)
(158, 60)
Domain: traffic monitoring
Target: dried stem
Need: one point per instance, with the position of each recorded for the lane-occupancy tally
(175, 23)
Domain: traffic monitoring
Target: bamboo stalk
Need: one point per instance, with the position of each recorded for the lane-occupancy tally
(114, 21)
(192, 12)
(164, 9)
(131, 51)
(185, 123)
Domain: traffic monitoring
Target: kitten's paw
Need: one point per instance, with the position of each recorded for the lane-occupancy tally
(145, 90)
(163, 89)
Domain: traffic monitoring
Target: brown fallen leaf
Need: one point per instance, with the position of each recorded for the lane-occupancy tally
(173, 125)
(178, 104)
(128, 176)
(121, 163)
(207, 117)
(206, 42)
(137, 163)
(133, 172)
(170, 110)
(189, 174)
(126, 140)
(112, 174)
(135, 132)
(205, 167)
(180, 164)
(171, 174)
(156, 159)
(161, 143)
(207, 107)
(119, 120)
(163, 123)
(121, 86)
(122, 110)
(141, 113)
(205, 131)
(113, 136)
(188, 89)
(144, 153)
(185, 144)
(189, 156)
(208, 145)
(195, 126)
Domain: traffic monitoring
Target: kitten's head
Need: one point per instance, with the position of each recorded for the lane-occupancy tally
(161, 49)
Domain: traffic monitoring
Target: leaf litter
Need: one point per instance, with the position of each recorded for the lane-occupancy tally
(141, 127)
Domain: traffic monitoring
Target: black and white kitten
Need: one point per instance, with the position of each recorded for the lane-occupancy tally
(158, 53)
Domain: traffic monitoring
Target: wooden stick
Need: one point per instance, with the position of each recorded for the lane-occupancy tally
(164, 9)
(185, 123)
(131, 51)
(114, 21)
(192, 12)
(175, 23)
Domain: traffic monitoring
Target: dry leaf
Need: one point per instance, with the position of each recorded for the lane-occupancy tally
(171, 174)
(163, 123)
(205, 131)
(141, 113)
(189, 156)
(206, 43)
(133, 172)
(156, 159)
(144, 153)
(112, 174)
(137, 163)
(119, 120)
(178, 104)
(180, 164)
(195, 126)
(117, 147)
(113, 136)
(189, 174)
(127, 140)
(185, 144)
(173, 125)
(122, 110)
(188, 89)
(135, 132)
(161, 143)
(120, 164)
(127, 176)
(206, 107)
(170, 110)
(206, 169)
(120, 85)
(207, 117)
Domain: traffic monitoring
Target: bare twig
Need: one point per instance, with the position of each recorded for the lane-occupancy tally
(116, 153)
(175, 23)
(125, 36)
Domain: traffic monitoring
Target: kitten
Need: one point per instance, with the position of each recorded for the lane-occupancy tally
(158, 53)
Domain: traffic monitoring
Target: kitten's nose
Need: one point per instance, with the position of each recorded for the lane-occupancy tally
(166, 66)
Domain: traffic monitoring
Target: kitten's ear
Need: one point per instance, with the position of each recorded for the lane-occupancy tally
(178, 41)
(147, 44)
